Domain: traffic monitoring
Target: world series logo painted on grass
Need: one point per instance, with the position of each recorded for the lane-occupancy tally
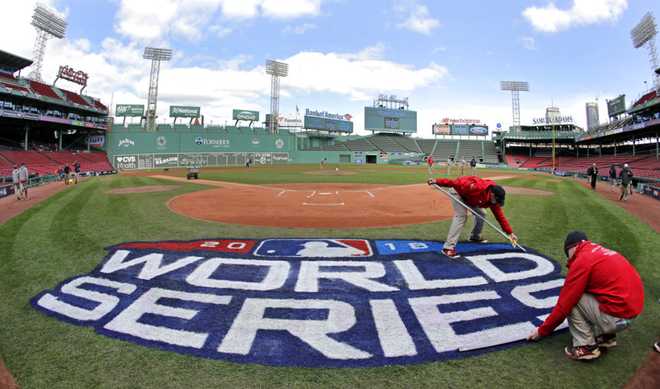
(312, 302)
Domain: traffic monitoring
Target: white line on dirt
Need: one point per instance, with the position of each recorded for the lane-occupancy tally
(281, 193)
(312, 195)
(325, 193)
(370, 194)
(324, 204)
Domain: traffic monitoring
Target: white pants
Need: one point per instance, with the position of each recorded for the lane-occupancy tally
(586, 322)
(459, 220)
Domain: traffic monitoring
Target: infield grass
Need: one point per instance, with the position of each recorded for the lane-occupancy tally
(65, 236)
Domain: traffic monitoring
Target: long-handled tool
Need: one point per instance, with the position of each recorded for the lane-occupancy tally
(496, 228)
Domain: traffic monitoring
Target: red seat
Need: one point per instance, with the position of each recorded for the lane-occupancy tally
(74, 98)
(44, 90)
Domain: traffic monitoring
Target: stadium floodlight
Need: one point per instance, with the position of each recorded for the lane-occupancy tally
(156, 55)
(515, 87)
(276, 69)
(48, 24)
(644, 34)
(644, 31)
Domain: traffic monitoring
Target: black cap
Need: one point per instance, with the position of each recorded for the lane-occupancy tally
(573, 239)
(499, 194)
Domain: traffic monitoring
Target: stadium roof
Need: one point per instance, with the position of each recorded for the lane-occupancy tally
(13, 63)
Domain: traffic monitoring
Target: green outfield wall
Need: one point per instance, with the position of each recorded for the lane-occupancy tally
(183, 146)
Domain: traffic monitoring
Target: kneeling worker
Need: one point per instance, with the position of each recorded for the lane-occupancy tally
(602, 293)
(477, 193)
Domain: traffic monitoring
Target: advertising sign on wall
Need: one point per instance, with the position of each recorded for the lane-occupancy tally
(322, 120)
(244, 114)
(479, 130)
(616, 106)
(440, 129)
(460, 129)
(129, 110)
(182, 111)
(325, 124)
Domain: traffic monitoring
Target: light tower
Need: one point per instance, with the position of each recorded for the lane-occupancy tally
(156, 56)
(48, 25)
(515, 87)
(276, 70)
(644, 34)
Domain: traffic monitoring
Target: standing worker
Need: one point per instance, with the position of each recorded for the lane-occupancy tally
(592, 172)
(612, 175)
(16, 182)
(67, 174)
(476, 193)
(602, 293)
(429, 162)
(626, 176)
(473, 166)
(23, 180)
(76, 171)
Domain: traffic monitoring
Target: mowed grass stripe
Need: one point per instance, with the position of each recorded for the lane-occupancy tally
(46, 353)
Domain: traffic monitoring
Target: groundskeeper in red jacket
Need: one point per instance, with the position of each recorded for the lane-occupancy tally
(475, 192)
(603, 273)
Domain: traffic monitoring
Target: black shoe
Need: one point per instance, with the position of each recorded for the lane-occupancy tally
(606, 340)
(656, 347)
(478, 239)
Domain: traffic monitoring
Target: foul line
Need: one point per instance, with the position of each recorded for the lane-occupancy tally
(324, 204)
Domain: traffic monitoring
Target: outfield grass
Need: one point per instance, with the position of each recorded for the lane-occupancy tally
(65, 236)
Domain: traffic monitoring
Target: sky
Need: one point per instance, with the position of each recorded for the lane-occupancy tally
(447, 57)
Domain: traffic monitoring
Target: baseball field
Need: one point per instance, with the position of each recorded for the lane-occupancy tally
(67, 235)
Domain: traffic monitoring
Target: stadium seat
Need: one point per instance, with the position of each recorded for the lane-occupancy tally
(43, 90)
(74, 98)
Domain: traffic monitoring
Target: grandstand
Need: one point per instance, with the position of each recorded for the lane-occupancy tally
(633, 138)
(386, 143)
(426, 145)
(445, 149)
(44, 126)
(440, 149)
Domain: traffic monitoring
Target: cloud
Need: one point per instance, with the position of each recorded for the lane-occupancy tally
(358, 76)
(220, 31)
(582, 12)
(299, 29)
(188, 18)
(418, 18)
(118, 73)
(528, 42)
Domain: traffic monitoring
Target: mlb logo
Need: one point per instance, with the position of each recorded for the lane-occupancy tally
(314, 248)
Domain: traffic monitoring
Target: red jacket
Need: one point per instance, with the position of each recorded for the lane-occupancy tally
(429, 160)
(603, 273)
(475, 192)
